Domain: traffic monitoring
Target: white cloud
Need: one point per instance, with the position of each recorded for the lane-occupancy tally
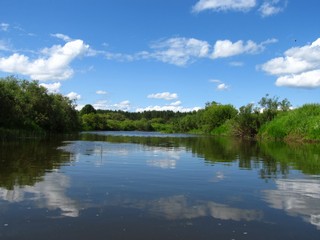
(183, 51)
(62, 37)
(120, 56)
(101, 92)
(224, 5)
(309, 79)
(300, 66)
(104, 105)
(226, 48)
(177, 103)
(52, 87)
(73, 96)
(222, 87)
(54, 65)
(4, 27)
(178, 51)
(268, 7)
(272, 7)
(168, 108)
(124, 105)
(164, 95)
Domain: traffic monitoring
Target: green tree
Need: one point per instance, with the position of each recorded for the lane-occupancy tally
(25, 105)
(87, 109)
(216, 114)
(247, 121)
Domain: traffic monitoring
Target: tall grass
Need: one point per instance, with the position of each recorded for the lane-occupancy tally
(301, 124)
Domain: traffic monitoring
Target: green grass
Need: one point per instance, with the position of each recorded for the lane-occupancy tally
(301, 124)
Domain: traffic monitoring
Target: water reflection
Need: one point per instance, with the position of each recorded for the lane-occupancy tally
(165, 158)
(165, 179)
(50, 194)
(298, 197)
(178, 207)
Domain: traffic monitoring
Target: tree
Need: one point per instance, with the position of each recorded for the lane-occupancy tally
(87, 109)
(216, 114)
(247, 121)
(271, 106)
(25, 105)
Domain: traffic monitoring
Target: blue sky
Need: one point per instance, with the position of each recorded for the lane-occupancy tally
(176, 55)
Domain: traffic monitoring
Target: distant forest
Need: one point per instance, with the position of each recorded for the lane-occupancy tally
(27, 109)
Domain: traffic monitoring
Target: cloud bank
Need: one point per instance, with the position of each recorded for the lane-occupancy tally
(52, 64)
(299, 67)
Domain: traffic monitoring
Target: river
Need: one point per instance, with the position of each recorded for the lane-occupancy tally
(134, 185)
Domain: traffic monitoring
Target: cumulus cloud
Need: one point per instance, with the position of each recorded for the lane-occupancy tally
(299, 67)
(310, 79)
(177, 51)
(164, 95)
(4, 27)
(73, 96)
(272, 7)
(52, 87)
(226, 48)
(101, 92)
(218, 5)
(54, 64)
(183, 51)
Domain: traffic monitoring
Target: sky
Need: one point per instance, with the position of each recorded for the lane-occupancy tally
(137, 55)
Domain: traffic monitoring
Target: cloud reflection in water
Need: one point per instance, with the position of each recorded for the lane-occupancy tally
(49, 193)
(298, 197)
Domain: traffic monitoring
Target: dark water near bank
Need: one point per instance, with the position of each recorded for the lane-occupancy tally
(155, 186)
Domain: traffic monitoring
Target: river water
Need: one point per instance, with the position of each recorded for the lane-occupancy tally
(133, 185)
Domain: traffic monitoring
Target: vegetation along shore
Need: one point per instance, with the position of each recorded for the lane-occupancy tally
(28, 110)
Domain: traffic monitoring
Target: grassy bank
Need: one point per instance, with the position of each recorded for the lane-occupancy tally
(301, 124)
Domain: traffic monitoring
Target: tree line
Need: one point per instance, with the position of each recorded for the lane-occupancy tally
(25, 106)
(215, 119)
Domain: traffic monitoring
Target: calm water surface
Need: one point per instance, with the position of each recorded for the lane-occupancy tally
(135, 185)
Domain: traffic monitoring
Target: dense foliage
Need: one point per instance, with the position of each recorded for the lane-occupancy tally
(127, 121)
(215, 119)
(26, 106)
